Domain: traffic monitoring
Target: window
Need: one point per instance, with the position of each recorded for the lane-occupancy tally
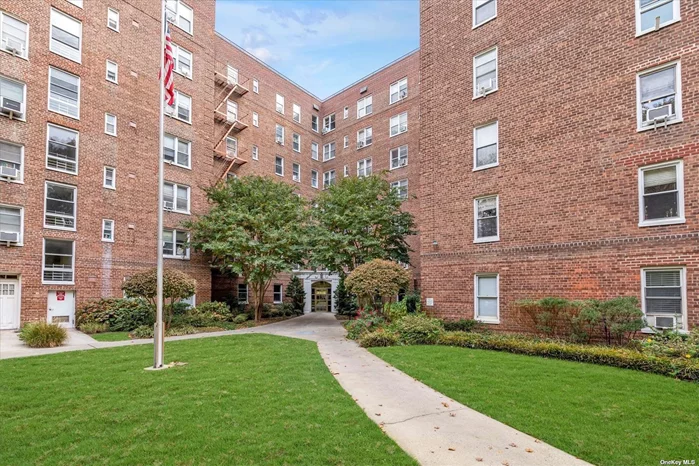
(345, 113)
(279, 134)
(183, 61)
(231, 147)
(11, 224)
(399, 124)
(13, 94)
(232, 74)
(109, 179)
(296, 172)
(487, 305)
(345, 142)
(231, 111)
(180, 15)
(242, 293)
(398, 91)
(176, 151)
(176, 198)
(364, 168)
(364, 137)
(314, 150)
(255, 119)
(59, 207)
(277, 293)
(175, 244)
(62, 149)
(296, 113)
(655, 14)
(110, 124)
(401, 188)
(314, 179)
(182, 109)
(14, 35)
(485, 146)
(665, 297)
(484, 11)
(108, 230)
(112, 72)
(279, 165)
(659, 96)
(296, 142)
(113, 19)
(364, 106)
(59, 261)
(486, 221)
(328, 151)
(280, 104)
(328, 179)
(78, 3)
(64, 93)
(399, 157)
(11, 162)
(329, 123)
(66, 36)
(661, 191)
(256, 90)
(314, 123)
(485, 73)
(255, 154)
(345, 171)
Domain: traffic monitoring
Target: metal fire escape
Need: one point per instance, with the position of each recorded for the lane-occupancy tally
(227, 114)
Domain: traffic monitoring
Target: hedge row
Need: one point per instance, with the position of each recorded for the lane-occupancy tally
(685, 369)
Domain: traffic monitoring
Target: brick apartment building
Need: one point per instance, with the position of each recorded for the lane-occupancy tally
(79, 146)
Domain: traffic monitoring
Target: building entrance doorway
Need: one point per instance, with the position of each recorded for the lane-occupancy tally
(320, 297)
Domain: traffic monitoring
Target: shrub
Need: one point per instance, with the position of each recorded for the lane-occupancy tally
(462, 325)
(43, 335)
(144, 331)
(378, 277)
(240, 318)
(395, 311)
(685, 369)
(672, 344)
(378, 338)
(267, 310)
(419, 330)
(93, 327)
(214, 310)
(413, 301)
(296, 295)
(118, 314)
(621, 318)
(345, 302)
(289, 310)
(366, 321)
(550, 316)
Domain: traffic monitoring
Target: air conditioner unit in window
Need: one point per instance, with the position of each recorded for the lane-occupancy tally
(11, 108)
(279, 140)
(326, 129)
(9, 172)
(665, 322)
(13, 46)
(402, 163)
(360, 144)
(168, 205)
(403, 128)
(9, 237)
(659, 114)
(403, 94)
(170, 16)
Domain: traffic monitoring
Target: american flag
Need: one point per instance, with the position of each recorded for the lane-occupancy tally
(168, 68)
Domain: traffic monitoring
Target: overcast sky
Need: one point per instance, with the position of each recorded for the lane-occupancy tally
(322, 45)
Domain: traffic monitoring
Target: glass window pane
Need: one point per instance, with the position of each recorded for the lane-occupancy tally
(487, 307)
(658, 84)
(487, 287)
(665, 12)
(661, 206)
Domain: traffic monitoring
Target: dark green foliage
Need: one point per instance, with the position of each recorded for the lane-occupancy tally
(462, 325)
(215, 310)
(366, 321)
(621, 319)
(296, 294)
(43, 335)
(378, 338)
(418, 330)
(119, 314)
(240, 318)
(672, 344)
(413, 301)
(345, 302)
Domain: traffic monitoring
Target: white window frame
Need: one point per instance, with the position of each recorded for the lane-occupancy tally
(392, 166)
(679, 173)
(247, 296)
(315, 119)
(77, 149)
(178, 14)
(364, 167)
(75, 206)
(363, 104)
(345, 171)
(255, 86)
(43, 263)
(20, 240)
(177, 141)
(105, 222)
(24, 95)
(296, 142)
(25, 51)
(397, 85)
(178, 50)
(296, 112)
(274, 293)
(330, 118)
(675, 16)
(315, 151)
(345, 142)
(175, 108)
(279, 104)
(296, 172)
(232, 74)
(678, 96)
(476, 94)
(331, 149)
(314, 179)
(20, 173)
(116, 72)
(396, 185)
(363, 137)
(345, 113)
(279, 139)
(683, 284)
(255, 152)
(475, 25)
(106, 124)
(111, 12)
(476, 296)
(80, 36)
(104, 177)
(75, 117)
(278, 158)
(174, 245)
(174, 198)
(398, 118)
(486, 239)
(332, 175)
(476, 146)
(255, 119)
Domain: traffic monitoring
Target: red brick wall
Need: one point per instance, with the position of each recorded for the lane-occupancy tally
(569, 153)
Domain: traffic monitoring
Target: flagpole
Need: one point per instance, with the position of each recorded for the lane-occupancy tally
(158, 334)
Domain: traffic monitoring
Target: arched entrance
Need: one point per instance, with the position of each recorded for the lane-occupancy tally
(320, 297)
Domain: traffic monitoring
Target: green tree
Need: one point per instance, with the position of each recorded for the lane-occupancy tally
(256, 227)
(377, 278)
(345, 302)
(296, 293)
(357, 220)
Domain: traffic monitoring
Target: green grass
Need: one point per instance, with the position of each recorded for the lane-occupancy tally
(111, 336)
(243, 400)
(605, 415)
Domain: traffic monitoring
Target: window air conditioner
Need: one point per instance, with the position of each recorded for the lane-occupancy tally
(11, 107)
(661, 113)
(168, 205)
(9, 172)
(13, 46)
(279, 140)
(402, 163)
(9, 237)
(360, 144)
(325, 129)
(403, 128)
(665, 322)
(403, 94)
(170, 16)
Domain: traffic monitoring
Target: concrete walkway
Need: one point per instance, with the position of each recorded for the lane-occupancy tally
(432, 428)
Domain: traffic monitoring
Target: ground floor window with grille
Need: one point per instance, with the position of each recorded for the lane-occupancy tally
(661, 192)
(59, 261)
(401, 188)
(486, 219)
(175, 244)
(665, 297)
(278, 296)
(487, 298)
(242, 293)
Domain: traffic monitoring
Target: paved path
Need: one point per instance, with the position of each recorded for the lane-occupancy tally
(429, 426)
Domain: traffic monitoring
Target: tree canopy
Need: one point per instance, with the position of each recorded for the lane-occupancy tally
(377, 278)
(177, 285)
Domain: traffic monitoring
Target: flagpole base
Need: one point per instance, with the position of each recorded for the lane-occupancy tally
(165, 366)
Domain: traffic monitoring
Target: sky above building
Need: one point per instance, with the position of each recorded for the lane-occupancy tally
(322, 45)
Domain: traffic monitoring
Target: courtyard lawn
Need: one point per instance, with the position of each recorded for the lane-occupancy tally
(243, 400)
(604, 415)
(111, 336)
